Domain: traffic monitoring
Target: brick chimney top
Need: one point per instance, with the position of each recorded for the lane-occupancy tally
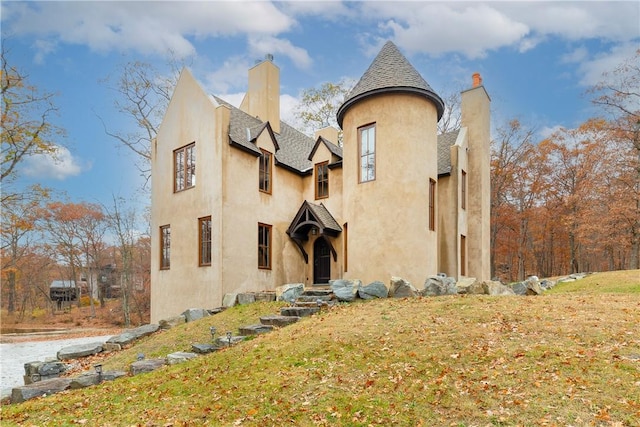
(477, 80)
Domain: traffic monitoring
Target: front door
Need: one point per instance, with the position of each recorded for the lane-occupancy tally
(321, 261)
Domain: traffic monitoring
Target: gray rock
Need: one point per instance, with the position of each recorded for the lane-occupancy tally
(246, 298)
(81, 350)
(400, 288)
(547, 284)
(193, 314)
(204, 348)
(131, 335)
(229, 300)
(85, 380)
(438, 285)
(40, 388)
(172, 322)
(256, 329)
(533, 286)
(179, 357)
(465, 285)
(147, 365)
(496, 288)
(289, 292)
(345, 290)
(373, 290)
(265, 296)
(519, 288)
(276, 320)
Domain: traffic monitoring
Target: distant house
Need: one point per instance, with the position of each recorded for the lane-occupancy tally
(241, 201)
(63, 292)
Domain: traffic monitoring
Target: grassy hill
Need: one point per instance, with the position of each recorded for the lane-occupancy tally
(571, 357)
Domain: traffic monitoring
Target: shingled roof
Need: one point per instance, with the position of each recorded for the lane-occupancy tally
(389, 72)
(445, 141)
(293, 146)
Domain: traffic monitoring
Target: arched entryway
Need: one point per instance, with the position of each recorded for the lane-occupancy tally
(321, 261)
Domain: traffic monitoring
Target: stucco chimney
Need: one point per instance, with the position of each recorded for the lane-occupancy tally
(477, 80)
(262, 99)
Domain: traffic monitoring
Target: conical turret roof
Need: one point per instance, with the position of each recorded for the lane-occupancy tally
(390, 72)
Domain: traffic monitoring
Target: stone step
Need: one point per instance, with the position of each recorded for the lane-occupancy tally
(298, 311)
(314, 303)
(317, 292)
(276, 320)
(256, 329)
(313, 298)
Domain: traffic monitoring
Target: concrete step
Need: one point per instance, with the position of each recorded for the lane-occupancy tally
(298, 311)
(256, 329)
(276, 320)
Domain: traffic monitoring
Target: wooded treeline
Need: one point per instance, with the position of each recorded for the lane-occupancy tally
(571, 202)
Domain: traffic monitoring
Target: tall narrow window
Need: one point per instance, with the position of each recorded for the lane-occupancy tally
(432, 205)
(165, 247)
(346, 249)
(463, 255)
(264, 246)
(463, 190)
(204, 241)
(184, 167)
(367, 152)
(265, 172)
(322, 180)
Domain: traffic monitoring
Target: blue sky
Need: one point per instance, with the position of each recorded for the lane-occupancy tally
(536, 59)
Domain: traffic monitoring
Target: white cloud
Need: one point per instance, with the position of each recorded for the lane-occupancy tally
(288, 106)
(58, 165)
(575, 56)
(262, 45)
(232, 74)
(474, 28)
(141, 26)
(592, 69)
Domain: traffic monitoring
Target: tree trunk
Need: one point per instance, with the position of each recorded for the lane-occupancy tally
(11, 303)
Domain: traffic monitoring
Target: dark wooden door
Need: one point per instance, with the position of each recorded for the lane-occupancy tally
(321, 261)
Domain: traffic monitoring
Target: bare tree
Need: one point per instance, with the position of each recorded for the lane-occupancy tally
(143, 93)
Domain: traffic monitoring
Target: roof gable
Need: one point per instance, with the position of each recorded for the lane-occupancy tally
(333, 149)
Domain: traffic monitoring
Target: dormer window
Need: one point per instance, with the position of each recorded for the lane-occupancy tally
(265, 172)
(322, 180)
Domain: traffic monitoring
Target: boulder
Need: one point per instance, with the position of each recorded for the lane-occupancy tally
(246, 298)
(40, 388)
(400, 288)
(265, 296)
(78, 351)
(179, 357)
(131, 335)
(109, 346)
(289, 292)
(465, 284)
(345, 290)
(533, 286)
(519, 288)
(224, 341)
(172, 322)
(147, 365)
(373, 290)
(229, 300)
(496, 288)
(85, 380)
(193, 314)
(439, 285)
(547, 284)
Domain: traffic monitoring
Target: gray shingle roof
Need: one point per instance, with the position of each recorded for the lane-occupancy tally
(390, 71)
(324, 217)
(445, 141)
(293, 146)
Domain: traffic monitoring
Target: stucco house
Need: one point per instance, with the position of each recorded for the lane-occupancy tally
(241, 201)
